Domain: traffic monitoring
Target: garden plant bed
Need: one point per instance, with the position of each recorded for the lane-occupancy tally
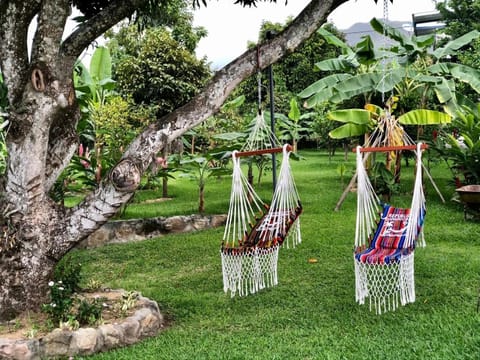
(28, 337)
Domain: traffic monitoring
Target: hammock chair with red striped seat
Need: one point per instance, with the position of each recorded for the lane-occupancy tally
(384, 246)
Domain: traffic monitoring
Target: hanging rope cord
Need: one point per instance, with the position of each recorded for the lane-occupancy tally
(282, 213)
(368, 205)
(259, 81)
(417, 209)
(285, 207)
(241, 212)
(384, 58)
(260, 136)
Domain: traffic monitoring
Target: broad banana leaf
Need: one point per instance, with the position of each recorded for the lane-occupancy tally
(461, 72)
(348, 130)
(456, 44)
(425, 41)
(445, 91)
(406, 42)
(319, 98)
(424, 117)
(322, 84)
(85, 79)
(356, 85)
(101, 64)
(365, 50)
(333, 40)
(390, 79)
(234, 104)
(468, 106)
(229, 136)
(467, 75)
(351, 116)
(294, 112)
(446, 95)
(428, 79)
(336, 65)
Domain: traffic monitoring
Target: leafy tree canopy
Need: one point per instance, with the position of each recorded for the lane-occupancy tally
(92, 7)
(155, 69)
(460, 16)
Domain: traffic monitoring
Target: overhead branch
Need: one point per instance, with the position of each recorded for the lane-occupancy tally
(48, 35)
(225, 80)
(15, 15)
(88, 31)
(94, 210)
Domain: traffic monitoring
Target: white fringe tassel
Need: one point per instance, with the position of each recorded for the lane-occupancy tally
(386, 285)
(248, 273)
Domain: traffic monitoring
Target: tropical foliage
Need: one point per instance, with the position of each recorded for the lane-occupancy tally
(295, 126)
(460, 146)
(201, 168)
(409, 68)
(156, 70)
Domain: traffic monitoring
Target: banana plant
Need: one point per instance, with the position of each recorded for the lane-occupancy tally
(382, 128)
(411, 61)
(95, 84)
(357, 122)
(202, 167)
(295, 126)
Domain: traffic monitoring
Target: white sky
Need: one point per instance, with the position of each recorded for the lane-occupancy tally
(230, 27)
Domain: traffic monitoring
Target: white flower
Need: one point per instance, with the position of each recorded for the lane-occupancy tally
(51, 283)
(53, 304)
(61, 288)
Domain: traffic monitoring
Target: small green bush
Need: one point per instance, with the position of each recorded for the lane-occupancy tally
(89, 312)
(64, 305)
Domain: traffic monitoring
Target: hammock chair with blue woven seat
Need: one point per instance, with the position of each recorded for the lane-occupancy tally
(385, 246)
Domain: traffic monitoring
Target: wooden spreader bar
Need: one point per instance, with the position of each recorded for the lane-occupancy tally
(262, 151)
(423, 146)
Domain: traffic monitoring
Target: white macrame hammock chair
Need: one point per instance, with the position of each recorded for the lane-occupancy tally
(255, 231)
(384, 248)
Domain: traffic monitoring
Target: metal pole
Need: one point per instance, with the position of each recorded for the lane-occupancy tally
(272, 126)
(269, 35)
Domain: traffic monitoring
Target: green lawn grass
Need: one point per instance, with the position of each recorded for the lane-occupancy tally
(312, 313)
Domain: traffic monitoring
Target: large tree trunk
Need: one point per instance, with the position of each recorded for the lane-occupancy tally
(35, 232)
(25, 275)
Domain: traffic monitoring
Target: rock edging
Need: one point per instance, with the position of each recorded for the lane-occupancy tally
(147, 321)
(123, 231)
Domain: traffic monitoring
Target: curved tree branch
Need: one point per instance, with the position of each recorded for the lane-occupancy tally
(95, 210)
(94, 27)
(225, 80)
(15, 15)
(48, 36)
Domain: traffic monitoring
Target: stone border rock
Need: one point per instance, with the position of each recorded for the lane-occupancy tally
(147, 321)
(122, 231)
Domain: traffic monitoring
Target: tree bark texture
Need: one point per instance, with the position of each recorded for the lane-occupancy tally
(43, 114)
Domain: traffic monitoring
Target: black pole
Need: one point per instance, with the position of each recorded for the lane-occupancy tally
(272, 127)
(269, 36)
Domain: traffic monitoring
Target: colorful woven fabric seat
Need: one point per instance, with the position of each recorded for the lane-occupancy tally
(382, 255)
(388, 243)
(384, 248)
(273, 228)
